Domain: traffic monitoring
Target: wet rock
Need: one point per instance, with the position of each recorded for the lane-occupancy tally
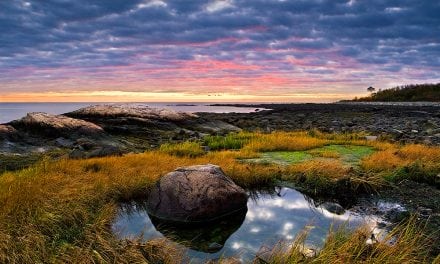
(333, 208)
(214, 246)
(424, 212)
(195, 194)
(396, 215)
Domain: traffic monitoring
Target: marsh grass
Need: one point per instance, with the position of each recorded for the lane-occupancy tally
(418, 163)
(348, 154)
(61, 211)
(228, 142)
(404, 244)
(187, 148)
(284, 141)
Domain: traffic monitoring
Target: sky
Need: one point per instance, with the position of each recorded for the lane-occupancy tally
(230, 50)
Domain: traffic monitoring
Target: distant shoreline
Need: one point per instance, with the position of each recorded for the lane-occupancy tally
(268, 105)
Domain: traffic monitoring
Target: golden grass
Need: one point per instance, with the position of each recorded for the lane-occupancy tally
(60, 211)
(329, 154)
(404, 244)
(190, 149)
(63, 209)
(284, 141)
(394, 157)
(323, 169)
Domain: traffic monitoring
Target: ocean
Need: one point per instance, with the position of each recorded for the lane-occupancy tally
(13, 111)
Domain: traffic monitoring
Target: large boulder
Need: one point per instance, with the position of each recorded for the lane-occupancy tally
(195, 194)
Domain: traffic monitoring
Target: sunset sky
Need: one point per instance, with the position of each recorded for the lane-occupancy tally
(231, 50)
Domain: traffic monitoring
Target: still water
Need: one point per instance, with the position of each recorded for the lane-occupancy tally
(271, 217)
(12, 111)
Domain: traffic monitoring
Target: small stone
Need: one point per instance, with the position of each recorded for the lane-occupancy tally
(215, 246)
(77, 154)
(371, 138)
(333, 208)
(62, 142)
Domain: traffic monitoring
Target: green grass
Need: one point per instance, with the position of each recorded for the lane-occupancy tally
(184, 149)
(281, 157)
(417, 172)
(350, 155)
(230, 141)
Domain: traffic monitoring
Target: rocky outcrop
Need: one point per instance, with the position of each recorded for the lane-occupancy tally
(104, 130)
(55, 125)
(133, 111)
(151, 125)
(195, 194)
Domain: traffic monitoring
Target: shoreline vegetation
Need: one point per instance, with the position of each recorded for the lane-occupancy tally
(61, 210)
(405, 93)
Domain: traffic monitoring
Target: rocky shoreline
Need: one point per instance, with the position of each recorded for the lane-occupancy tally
(410, 122)
(104, 130)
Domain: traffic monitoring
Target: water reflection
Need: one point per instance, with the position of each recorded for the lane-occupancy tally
(272, 217)
(208, 237)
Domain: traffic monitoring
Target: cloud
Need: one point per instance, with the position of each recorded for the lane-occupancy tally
(260, 46)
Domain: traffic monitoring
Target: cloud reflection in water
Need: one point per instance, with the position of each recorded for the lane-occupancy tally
(270, 219)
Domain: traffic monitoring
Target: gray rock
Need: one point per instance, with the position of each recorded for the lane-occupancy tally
(77, 154)
(104, 151)
(333, 208)
(7, 132)
(371, 138)
(132, 110)
(56, 125)
(199, 193)
(85, 144)
(62, 142)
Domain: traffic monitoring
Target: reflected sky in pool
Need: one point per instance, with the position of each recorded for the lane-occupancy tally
(270, 218)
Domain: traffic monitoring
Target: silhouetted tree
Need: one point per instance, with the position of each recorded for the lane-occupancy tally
(371, 89)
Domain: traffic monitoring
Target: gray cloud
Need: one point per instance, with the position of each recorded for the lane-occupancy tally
(378, 35)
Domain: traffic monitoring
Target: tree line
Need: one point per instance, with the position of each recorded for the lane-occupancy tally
(404, 93)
